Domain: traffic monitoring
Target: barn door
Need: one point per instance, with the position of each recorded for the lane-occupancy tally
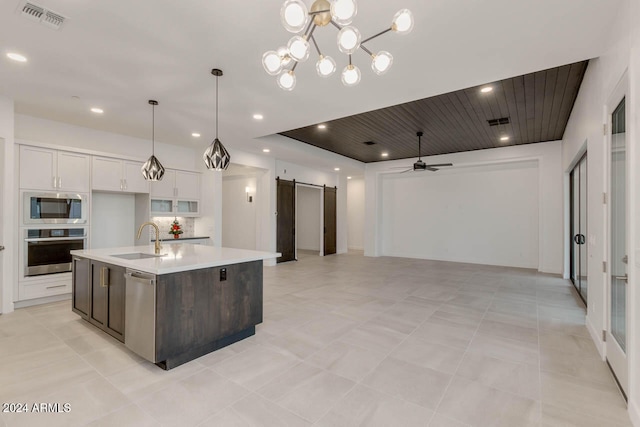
(329, 220)
(286, 201)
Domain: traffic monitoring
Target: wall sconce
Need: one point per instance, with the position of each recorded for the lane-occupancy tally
(247, 190)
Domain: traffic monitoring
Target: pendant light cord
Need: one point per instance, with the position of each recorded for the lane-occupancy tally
(153, 130)
(216, 107)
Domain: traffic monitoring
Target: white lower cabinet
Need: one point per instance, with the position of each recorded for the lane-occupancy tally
(59, 285)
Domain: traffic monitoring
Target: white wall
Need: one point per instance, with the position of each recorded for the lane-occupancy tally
(309, 221)
(355, 214)
(238, 215)
(113, 220)
(481, 215)
(9, 256)
(585, 131)
(550, 191)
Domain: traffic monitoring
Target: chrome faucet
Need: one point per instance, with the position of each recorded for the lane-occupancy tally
(157, 245)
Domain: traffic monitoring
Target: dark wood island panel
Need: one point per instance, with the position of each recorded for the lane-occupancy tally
(200, 311)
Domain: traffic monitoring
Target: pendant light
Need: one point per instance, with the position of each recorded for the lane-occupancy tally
(153, 170)
(216, 157)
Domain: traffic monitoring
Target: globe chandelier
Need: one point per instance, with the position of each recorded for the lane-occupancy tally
(296, 18)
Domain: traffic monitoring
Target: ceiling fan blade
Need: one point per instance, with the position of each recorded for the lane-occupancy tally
(439, 165)
(407, 170)
(399, 167)
(431, 169)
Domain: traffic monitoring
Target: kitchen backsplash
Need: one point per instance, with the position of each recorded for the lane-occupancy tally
(164, 223)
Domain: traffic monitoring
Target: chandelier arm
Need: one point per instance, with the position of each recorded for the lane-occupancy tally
(310, 34)
(376, 35)
(313, 39)
(335, 24)
(294, 66)
(306, 31)
(319, 11)
(350, 59)
(366, 50)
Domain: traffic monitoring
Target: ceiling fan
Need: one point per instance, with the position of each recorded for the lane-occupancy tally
(420, 165)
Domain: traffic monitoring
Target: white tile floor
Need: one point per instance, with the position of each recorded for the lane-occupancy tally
(346, 341)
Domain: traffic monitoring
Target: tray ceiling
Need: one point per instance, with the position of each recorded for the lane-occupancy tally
(527, 109)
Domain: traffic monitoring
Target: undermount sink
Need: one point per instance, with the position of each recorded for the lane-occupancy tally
(137, 255)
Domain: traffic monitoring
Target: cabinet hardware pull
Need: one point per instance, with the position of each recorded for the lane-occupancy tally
(59, 182)
(121, 184)
(104, 277)
(57, 286)
(54, 181)
(125, 183)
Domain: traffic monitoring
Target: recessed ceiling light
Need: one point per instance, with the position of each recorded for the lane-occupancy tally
(195, 135)
(322, 126)
(336, 169)
(97, 110)
(385, 154)
(504, 138)
(348, 177)
(16, 57)
(266, 150)
(486, 89)
(258, 116)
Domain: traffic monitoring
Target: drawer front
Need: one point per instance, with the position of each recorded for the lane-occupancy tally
(45, 289)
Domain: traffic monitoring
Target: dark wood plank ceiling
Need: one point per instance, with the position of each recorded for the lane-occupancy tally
(538, 106)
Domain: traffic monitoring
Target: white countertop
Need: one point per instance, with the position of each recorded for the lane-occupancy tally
(176, 257)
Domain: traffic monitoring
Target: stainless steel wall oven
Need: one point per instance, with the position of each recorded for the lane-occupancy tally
(47, 250)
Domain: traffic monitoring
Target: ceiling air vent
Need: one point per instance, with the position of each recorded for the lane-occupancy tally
(500, 121)
(369, 143)
(42, 15)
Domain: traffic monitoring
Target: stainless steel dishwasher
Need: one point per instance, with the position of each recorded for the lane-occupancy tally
(140, 314)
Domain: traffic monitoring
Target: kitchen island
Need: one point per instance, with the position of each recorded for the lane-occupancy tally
(173, 307)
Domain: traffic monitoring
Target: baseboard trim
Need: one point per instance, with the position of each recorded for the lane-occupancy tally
(596, 336)
(39, 301)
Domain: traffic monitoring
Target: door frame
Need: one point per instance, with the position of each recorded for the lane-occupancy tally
(572, 177)
(614, 356)
(320, 225)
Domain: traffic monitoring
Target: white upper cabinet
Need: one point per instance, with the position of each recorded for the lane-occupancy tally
(166, 188)
(177, 193)
(53, 170)
(118, 175)
(187, 185)
(177, 185)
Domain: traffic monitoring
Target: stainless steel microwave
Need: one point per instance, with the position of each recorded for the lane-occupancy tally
(54, 208)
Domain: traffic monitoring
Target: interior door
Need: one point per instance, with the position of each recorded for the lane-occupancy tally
(578, 178)
(286, 216)
(330, 220)
(618, 226)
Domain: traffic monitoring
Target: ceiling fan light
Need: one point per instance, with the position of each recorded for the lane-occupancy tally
(272, 62)
(350, 75)
(298, 48)
(325, 66)
(402, 22)
(287, 80)
(349, 40)
(381, 62)
(216, 157)
(294, 15)
(343, 11)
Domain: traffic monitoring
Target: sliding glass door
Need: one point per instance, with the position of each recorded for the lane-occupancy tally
(578, 178)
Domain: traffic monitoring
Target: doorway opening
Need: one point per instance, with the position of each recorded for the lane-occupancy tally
(309, 221)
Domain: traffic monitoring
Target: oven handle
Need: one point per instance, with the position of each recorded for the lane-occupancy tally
(55, 239)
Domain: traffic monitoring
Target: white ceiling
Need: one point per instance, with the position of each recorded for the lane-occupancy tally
(117, 54)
